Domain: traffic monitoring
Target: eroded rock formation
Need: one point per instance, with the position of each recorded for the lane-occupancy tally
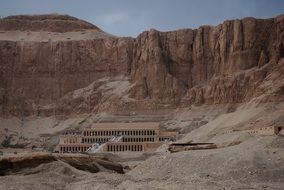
(18, 164)
(51, 23)
(209, 63)
(231, 63)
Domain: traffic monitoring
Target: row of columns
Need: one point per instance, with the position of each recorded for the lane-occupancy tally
(93, 140)
(73, 148)
(119, 132)
(103, 140)
(150, 139)
(119, 148)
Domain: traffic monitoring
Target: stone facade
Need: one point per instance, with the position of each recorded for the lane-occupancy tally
(271, 130)
(117, 137)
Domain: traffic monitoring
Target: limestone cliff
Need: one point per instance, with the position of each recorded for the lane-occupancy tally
(222, 64)
(52, 23)
(53, 63)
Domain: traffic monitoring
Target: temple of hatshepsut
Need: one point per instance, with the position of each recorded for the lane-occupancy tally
(116, 137)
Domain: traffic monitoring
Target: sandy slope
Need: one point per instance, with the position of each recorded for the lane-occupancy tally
(248, 165)
(256, 163)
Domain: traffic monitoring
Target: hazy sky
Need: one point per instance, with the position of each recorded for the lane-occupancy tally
(131, 17)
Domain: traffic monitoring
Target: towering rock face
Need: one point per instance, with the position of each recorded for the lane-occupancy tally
(44, 59)
(223, 64)
(37, 72)
(161, 63)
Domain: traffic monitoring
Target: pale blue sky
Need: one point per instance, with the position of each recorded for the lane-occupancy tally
(131, 17)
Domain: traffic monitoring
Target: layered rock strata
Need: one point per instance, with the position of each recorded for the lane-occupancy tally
(234, 62)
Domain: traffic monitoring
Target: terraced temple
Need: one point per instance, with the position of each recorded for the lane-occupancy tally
(116, 137)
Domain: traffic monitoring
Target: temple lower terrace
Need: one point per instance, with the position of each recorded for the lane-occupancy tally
(116, 137)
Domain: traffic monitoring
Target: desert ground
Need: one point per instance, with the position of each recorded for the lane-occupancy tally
(241, 161)
(213, 84)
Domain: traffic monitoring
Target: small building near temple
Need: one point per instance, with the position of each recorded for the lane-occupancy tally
(269, 130)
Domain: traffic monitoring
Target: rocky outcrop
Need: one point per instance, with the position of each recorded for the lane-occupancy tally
(91, 164)
(207, 65)
(17, 164)
(35, 75)
(231, 63)
(51, 23)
